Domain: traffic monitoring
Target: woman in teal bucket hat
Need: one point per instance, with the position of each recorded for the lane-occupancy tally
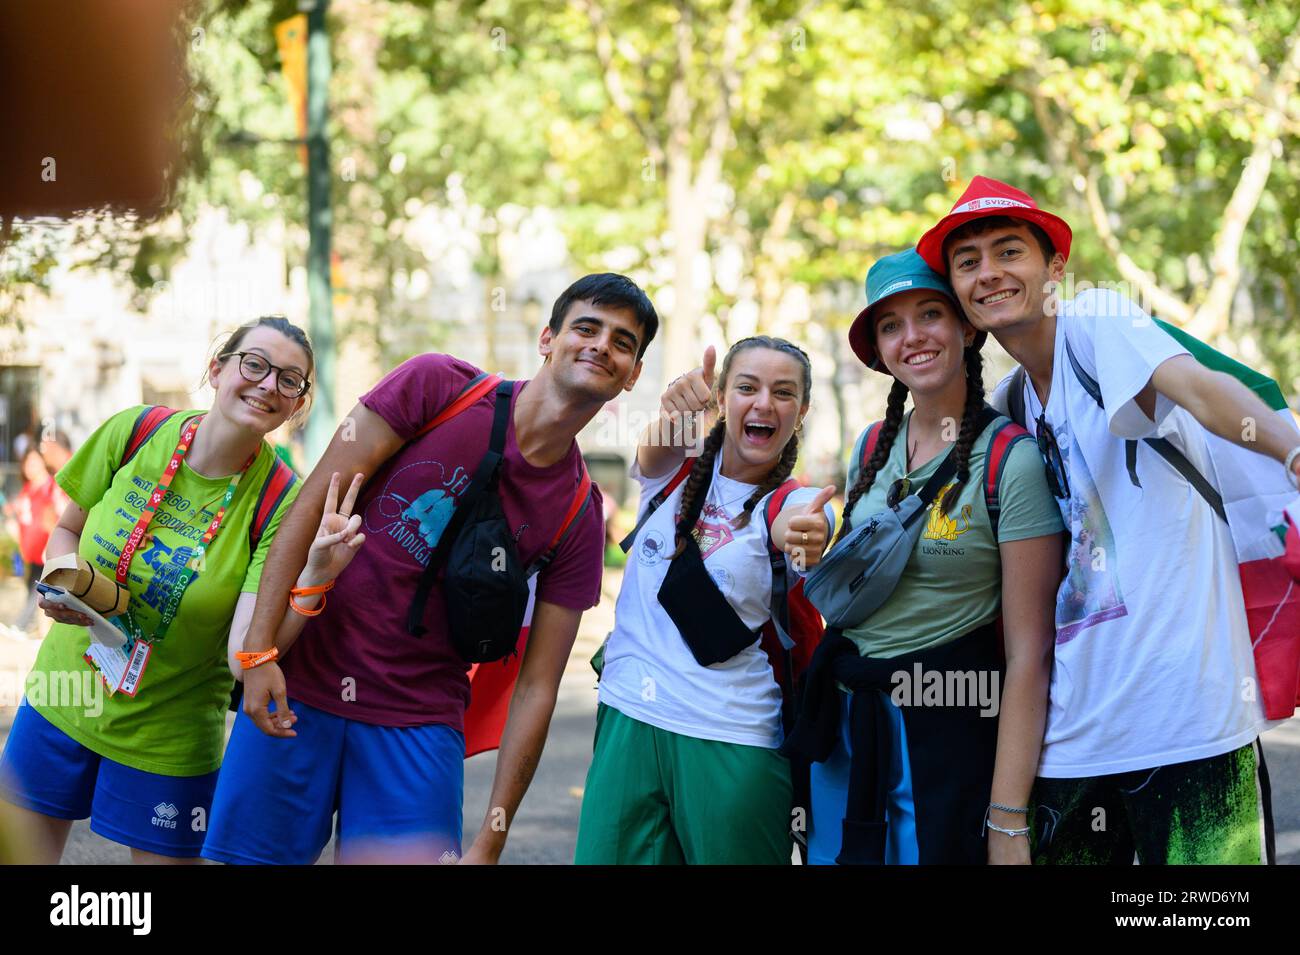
(924, 742)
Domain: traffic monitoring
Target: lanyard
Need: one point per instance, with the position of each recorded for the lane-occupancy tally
(182, 581)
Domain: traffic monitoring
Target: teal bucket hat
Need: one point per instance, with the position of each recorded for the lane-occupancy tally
(901, 272)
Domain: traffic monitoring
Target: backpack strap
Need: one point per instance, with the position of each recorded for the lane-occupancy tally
(780, 598)
(1093, 389)
(274, 489)
(485, 477)
(869, 445)
(1161, 446)
(146, 426)
(656, 502)
(477, 387)
(868, 449)
(1016, 397)
(1007, 436)
(577, 507)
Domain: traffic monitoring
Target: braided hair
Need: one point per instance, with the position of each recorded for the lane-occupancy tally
(701, 473)
(969, 427)
(889, 429)
(884, 443)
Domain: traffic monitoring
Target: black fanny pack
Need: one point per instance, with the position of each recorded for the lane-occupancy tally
(484, 585)
(709, 624)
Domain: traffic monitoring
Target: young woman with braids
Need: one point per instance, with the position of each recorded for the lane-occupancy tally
(914, 759)
(686, 768)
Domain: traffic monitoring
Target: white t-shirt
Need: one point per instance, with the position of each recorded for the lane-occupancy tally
(1153, 657)
(649, 673)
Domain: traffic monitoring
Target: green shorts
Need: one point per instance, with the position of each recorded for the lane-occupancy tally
(1212, 811)
(660, 798)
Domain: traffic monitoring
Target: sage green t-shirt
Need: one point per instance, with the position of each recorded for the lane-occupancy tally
(175, 723)
(953, 581)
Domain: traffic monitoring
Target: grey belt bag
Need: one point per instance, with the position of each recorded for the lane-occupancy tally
(862, 570)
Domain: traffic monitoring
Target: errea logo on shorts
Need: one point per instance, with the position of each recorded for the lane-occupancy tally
(164, 815)
(103, 908)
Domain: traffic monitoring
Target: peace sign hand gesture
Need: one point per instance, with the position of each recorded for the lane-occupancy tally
(337, 538)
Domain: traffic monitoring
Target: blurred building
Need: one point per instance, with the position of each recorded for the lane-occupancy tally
(95, 344)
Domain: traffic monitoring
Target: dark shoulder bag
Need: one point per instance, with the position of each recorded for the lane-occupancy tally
(484, 584)
(710, 626)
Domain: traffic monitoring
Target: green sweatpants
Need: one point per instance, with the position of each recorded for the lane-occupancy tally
(660, 798)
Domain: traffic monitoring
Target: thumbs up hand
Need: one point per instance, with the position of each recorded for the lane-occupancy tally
(807, 531)
(692, 391)
(688, 395)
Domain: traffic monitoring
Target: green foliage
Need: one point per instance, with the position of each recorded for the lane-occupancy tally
(852, 128)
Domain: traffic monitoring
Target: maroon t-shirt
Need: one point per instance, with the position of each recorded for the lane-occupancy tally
(356, 659)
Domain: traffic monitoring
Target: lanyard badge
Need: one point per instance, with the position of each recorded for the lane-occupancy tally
(122, 668)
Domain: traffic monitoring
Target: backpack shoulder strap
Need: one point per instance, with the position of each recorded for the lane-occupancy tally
(1005, 436)
(1016, 396)
(656, 502)
(146, 426)
(775, 502)
(1093, 389)
(1161, 446)
(477, 387)
(274, 489)
(577, 507)
(1089, 383)
(869, 445)
(780, 598)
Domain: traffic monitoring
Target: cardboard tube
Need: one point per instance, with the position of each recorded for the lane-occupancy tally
(93, 587)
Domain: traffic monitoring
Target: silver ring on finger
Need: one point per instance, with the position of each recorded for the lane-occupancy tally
(805, 537)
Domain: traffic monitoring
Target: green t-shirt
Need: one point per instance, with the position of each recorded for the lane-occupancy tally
(175, 724)
(953, 582)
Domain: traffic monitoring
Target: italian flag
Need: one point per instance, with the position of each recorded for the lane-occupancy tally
(1256, 493)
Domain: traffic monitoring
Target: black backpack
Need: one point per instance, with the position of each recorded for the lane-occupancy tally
(485, 585)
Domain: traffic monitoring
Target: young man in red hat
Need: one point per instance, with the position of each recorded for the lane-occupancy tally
(1152, 733)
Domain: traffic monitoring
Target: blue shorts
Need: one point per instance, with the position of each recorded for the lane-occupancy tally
(830, 796)
(397, 791)
(47, 771)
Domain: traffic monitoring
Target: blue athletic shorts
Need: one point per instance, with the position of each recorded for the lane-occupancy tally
(397, 792)
(45, 770)
(830, 796)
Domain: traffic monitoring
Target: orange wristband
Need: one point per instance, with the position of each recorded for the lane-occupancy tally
(321, 589)
(253, 658)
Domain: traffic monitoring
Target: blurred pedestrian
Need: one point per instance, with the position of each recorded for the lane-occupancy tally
(35, 512)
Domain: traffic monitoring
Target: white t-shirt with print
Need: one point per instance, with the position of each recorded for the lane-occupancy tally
(649, 672)
(1153, 657)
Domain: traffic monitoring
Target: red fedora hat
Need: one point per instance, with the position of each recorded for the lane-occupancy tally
(988, 197)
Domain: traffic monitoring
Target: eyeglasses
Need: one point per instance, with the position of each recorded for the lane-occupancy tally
(255, 368)
(1057, 482)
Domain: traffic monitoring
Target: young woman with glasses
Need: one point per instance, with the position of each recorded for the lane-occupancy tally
(132, 735)
(923, 737)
